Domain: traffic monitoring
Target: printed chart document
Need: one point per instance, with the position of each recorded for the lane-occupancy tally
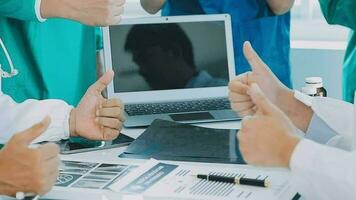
(75, 174)
(158, 180)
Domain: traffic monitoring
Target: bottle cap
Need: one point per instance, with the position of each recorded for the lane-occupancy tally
(311, 91)
(314, 80)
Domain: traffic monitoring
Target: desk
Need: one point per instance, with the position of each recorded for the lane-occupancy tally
(111, 155)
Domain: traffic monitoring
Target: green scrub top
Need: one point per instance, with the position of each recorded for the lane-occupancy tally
(56, 59)
(343, 12)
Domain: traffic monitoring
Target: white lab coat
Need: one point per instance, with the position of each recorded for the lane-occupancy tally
(328, 171)
(16, 117)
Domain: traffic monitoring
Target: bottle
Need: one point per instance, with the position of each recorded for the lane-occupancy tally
(316, 82)
(310, 91)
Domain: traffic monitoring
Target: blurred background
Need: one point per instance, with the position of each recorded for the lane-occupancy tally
(317, 48)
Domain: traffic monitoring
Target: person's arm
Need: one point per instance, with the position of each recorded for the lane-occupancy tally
(328, 111)
(321, 172)
(16, 117)
(21, 9)
(90, 12)
(94, 118)
(280, 7)
(340, 12)
(152, 6)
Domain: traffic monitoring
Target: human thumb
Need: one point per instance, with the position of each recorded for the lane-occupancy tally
(27, 136)
(263, 104)
(103, 82)
(256, 63)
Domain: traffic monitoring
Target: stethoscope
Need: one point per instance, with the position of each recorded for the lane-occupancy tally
(13, 72)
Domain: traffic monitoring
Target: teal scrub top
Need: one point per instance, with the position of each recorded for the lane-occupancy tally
(343, 12)
(56, 59)
(252, 20)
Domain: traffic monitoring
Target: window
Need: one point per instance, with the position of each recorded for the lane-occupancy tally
(309, 27)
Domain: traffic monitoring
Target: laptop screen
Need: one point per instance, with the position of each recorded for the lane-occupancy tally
(147, 57)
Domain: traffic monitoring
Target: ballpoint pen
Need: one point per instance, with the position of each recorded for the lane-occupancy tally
(23, 195)
(235, 180)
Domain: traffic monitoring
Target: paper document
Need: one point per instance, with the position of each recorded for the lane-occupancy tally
(157, 180)
(90, 175)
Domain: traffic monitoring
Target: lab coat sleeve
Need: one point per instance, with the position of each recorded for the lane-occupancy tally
(319, 131)
(322, 172)
(21, 9)
(337, 116)
(340, 12)
(16, 117)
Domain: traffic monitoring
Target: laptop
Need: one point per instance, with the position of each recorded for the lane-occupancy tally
(171, 68)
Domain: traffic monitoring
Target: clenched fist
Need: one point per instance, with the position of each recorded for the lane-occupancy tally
(89, 12)
(28, 170)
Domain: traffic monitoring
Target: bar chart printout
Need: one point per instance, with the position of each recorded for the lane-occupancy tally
(159, 180)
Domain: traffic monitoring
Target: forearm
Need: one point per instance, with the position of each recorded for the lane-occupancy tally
(298, 112)
(152, 6)
(18, 117)
(56, 9)
(280, 7)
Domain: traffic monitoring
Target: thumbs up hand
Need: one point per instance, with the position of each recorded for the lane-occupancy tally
(266, 138)
(263, 76)
(25, 169)
(96, 118)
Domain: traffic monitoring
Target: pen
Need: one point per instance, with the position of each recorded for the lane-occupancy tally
(22, 195)
(235, 180)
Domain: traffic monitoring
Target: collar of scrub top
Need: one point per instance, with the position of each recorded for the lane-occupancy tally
(13, 72)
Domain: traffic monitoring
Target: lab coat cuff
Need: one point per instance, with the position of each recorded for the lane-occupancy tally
(307, 100)
(38, 11)
(59, 127)
(66, 129)
(303, 156)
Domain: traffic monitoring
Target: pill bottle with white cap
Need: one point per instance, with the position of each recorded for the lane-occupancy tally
(310, 91)
(317, 83)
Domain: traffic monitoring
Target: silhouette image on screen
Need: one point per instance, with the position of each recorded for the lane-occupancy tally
(165, 57)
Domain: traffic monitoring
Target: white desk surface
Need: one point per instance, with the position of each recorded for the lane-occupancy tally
(111, 155)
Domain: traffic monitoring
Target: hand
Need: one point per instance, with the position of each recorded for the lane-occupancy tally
(262, 75)
(28, 170)
(267, 137)
(89, 12)
(96, 118)
(275, 91)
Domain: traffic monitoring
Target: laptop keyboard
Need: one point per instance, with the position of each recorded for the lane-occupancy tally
(177, 107)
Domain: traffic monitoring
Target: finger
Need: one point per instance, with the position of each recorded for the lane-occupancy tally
(257, 65)
(119, 10)
(52, 166)
(102, 83)
(115, 20)
(246, 113)
(238, 87)
(243, 78)
(236, 97)
(115, 112)
(110, 122)
(240, 107)
(108, 103)
(110, 134)
(49, 151)
(264, 106)
(50, 181)
(27, 136)
(119, 2)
